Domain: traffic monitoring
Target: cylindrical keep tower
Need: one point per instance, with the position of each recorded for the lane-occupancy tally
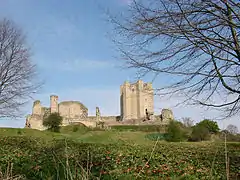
(54, 103)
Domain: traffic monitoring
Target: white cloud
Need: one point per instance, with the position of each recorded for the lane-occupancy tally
(85, 65)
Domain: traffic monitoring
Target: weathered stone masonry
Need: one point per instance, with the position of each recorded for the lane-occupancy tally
(136, 99)
(136, 103)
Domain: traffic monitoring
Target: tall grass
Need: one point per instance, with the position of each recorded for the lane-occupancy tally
(70, 160)
(8, 174)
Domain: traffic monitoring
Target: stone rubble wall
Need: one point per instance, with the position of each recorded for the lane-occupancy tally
(91, 121)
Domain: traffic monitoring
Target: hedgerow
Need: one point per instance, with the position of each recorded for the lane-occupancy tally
(60, 159)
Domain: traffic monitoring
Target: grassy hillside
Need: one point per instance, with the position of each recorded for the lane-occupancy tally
(82, 134)
(82, 153)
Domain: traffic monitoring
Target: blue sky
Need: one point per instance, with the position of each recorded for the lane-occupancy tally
(75, 58)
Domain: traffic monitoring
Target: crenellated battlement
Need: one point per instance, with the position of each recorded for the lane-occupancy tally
(147, 86)
(37, 102)
(137, 86)
(136, 99)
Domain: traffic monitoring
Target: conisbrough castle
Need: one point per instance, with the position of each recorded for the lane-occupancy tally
(136, 103)
(136, 99)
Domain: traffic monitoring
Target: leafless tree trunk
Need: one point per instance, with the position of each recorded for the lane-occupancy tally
(196, 43)
(188, 122)
(232, 129)
(17, 73)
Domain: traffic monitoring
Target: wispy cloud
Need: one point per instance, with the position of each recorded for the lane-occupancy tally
(126, 2)
(75, 65)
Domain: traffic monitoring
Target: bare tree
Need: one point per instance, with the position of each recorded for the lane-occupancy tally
(187, 121)
(196, 43)
(17, 73)
(232, 129)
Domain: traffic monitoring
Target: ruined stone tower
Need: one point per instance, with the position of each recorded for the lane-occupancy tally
(135, 99)
(37, 108)
(53, 103)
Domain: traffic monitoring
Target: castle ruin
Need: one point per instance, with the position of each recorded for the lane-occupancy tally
(136, 103)
(136, 100)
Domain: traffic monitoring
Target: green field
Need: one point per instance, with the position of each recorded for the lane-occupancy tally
(81, 153)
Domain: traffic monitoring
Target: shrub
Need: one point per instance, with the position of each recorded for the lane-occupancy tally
(53, 122)
(75, 128)
(212, 126)
(19, 132)
(200, 133)
(175, 132)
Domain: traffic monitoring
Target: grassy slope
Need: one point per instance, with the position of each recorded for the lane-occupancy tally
(206, 157)
(82, 135)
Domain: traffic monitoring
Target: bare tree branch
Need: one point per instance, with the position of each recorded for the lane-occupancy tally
(196, 42)
(17, 73)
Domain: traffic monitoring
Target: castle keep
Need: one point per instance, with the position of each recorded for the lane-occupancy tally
(136, 99)
(136, 103)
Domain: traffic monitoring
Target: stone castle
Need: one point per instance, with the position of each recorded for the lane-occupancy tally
(136, 99)
(136, 103)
